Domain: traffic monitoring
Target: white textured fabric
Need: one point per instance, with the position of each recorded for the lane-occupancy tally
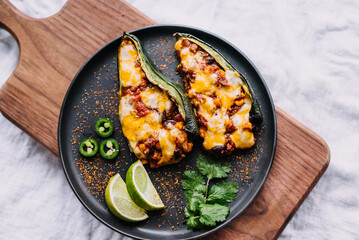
(308, 53)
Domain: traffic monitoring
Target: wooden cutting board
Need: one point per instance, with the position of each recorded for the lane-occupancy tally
(53, 49)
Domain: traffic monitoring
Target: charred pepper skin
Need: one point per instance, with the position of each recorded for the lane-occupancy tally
(109, 148)
(104, 127)
(85, 145)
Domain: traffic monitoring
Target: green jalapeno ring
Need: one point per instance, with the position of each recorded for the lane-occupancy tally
(104, 127)
(109, 148)
(88, 147)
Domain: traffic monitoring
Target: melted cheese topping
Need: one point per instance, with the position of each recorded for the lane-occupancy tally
(205, 89)
(130, 74)
(139, 129)
(155, 98)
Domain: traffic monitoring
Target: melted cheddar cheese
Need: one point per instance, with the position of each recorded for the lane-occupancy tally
(141, 114)
(213, 101)
(130, 73)
(156, 98)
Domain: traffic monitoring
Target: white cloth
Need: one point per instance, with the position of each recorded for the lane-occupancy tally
(308, 53)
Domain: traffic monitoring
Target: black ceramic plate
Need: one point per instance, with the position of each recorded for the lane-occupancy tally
(93, 94)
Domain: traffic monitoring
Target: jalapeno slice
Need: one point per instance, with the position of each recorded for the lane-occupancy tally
(88, 147)
(104, 127)
(109, 148)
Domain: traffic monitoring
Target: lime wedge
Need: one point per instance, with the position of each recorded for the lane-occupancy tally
(120, 203)
(141, 189)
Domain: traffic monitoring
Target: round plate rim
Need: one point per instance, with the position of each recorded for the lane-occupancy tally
(169, 26)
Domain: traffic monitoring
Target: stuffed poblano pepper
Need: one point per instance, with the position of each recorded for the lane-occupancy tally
(224, 103)
(156, 116)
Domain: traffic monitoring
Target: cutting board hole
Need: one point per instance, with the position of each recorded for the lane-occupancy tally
(38, 8)
(9, 50)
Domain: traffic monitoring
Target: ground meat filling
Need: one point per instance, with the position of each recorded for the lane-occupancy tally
(221, 101)
(150, 119)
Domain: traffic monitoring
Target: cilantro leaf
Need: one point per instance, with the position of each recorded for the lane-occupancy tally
(211, 169)
(190, 180)
(210, 214)
(206, 209)
(195, 201)
(192, 219)
(223, 193)
(193, 222)
(200, 188)
(187, 213)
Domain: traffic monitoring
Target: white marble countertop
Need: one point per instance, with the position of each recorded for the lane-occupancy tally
(307, 52)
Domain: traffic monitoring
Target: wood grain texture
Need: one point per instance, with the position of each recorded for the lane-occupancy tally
(53, 49)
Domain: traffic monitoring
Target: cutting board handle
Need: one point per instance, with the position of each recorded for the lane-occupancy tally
(12, 19)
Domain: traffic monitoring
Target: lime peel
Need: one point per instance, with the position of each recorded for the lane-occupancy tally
(120, 203)
(141, 189)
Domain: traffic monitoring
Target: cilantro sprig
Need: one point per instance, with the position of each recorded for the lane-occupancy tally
(207, 207)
